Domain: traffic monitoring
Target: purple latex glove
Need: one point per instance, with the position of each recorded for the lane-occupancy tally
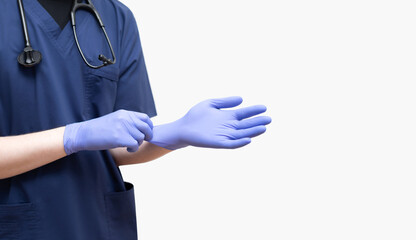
(207, 125)
(118, 129)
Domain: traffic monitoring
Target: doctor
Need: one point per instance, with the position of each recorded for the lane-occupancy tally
(74, 106)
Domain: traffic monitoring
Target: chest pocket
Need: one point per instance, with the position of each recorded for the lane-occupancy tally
(100, 90)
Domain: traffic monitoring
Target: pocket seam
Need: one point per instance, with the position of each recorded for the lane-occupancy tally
(111, 74)
(4, 207)
(17, 214)
(107, 211)
(129, 187)
(108, 197)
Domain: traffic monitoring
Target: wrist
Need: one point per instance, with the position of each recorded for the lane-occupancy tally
(169, 136)
(70, 138)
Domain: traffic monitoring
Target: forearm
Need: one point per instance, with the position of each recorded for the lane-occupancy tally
(147, 152)
(19, 154)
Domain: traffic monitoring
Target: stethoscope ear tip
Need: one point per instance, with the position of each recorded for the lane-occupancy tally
(29, 57)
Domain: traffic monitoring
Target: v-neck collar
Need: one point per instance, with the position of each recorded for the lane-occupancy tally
(63, 39)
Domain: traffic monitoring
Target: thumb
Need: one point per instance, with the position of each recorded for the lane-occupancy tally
(226, 102)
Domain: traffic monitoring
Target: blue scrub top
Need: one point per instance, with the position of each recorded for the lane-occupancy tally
(81, 196)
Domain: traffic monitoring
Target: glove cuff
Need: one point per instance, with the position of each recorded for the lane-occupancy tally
(70, 136)
(168, 136)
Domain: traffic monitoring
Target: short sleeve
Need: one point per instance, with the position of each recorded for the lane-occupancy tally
(133, 90)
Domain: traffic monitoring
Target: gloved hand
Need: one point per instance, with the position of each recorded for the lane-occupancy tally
(118, 129)
(206, 125)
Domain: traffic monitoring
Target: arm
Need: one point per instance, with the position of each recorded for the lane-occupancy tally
(19, 154)
(147, 152)
(205, 125)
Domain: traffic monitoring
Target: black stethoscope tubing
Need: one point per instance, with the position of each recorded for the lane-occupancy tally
(30, 57)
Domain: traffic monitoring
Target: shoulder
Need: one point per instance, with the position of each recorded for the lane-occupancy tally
(114, 7)
(118, 5)
(118, 19)
(121, 27)
(113, 11)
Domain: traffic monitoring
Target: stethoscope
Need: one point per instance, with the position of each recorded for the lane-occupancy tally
(30, 57)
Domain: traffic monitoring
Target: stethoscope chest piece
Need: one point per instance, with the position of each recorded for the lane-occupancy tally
(29, 57)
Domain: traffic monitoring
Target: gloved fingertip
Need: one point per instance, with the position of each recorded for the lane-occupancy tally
(132, 149)
(258, 131)
(262, 108)
(265, 120)
(237, 98)
(226, 102)
(237, 143)
(148, 137)
(234, 98)
(150, 123)
(244, 142)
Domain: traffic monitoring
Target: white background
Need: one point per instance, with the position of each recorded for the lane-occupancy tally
(338, 160)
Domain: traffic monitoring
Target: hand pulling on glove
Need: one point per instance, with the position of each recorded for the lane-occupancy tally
(118, 129)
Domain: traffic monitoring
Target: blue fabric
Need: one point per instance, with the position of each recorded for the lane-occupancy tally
(82, 196)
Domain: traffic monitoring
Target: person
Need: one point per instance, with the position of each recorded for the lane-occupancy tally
(66, 127)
